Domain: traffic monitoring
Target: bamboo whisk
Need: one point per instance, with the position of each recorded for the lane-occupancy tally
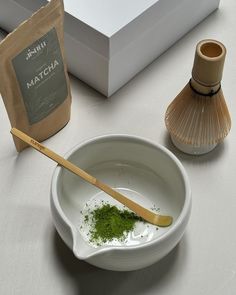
(198, 118)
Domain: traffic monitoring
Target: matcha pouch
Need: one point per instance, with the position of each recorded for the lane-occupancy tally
(34, 82)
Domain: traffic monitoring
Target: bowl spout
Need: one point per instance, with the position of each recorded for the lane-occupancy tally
(81, 248)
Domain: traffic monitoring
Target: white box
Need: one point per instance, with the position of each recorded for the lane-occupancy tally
(109, 41)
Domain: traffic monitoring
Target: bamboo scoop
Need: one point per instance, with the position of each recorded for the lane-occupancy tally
(156, 219)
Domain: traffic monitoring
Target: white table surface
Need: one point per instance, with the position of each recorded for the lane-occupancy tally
(34, 260)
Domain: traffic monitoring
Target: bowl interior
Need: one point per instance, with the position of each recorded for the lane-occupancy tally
(146, 173)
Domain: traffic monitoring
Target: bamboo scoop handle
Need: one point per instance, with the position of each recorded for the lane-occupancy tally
(146, 214)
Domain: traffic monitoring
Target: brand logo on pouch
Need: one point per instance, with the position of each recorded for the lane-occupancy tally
(35, 50)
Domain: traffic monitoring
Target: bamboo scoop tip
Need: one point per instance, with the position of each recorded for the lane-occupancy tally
(163, 220)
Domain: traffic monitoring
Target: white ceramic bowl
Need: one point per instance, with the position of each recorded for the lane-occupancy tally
(144, 171)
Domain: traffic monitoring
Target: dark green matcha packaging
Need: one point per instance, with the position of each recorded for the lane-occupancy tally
(34, 82)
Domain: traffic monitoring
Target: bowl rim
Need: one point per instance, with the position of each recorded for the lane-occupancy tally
(185, 212)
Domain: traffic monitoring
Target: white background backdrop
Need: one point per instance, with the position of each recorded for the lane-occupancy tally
(34, 260)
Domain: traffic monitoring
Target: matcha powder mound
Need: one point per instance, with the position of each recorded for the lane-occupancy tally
(108, 223)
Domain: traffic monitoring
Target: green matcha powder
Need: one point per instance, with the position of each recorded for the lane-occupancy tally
(108, 222)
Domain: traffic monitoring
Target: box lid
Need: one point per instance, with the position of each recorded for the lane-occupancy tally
(106, 26)
(107, 16)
